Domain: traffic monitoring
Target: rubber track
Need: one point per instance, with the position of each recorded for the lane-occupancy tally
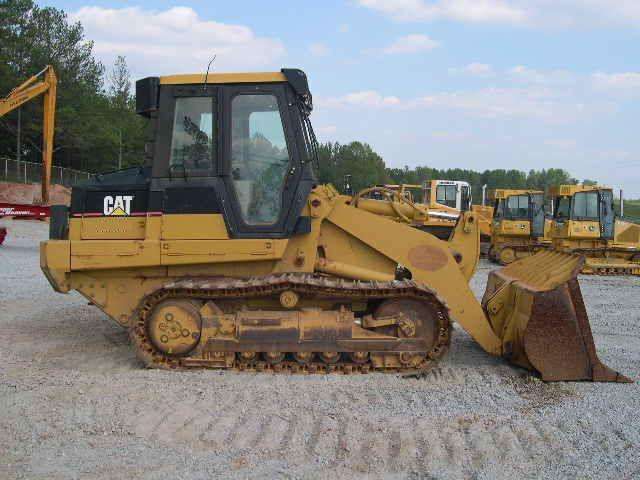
(271, 286)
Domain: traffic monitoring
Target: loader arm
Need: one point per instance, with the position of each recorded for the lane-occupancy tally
(532, 313)
(442, 266)
(43, 83)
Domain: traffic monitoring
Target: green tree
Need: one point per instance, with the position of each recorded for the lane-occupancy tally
(128, 127)
(357, 159)
(32, 37)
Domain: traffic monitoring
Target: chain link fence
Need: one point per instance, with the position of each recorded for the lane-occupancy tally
(12, 170)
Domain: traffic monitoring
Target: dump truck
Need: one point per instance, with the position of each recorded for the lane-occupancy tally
(224, 252)
(586, 223)
(520, 226)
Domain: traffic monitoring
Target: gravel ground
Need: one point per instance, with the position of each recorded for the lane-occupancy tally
(74, 403)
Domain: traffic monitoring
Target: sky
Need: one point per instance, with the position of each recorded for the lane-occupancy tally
(478, 84)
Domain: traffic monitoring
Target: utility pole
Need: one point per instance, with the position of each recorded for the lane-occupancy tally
(19, 142)
(120, 149)
(621, 203)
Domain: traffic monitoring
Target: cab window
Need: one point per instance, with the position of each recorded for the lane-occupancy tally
(585, 206)
(498, 208)
(446, 195)
(259, 157)
(192, 137)
(466, 199)
(562, 208)
(518, 206)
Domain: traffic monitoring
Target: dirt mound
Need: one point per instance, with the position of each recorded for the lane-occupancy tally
(30, 193)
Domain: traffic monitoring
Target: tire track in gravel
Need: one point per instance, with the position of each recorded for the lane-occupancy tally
(464, 444)
(359, 429)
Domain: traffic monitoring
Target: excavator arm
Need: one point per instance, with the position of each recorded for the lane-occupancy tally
(43, 83)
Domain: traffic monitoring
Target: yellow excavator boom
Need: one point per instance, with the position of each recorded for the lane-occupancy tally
(43, 83)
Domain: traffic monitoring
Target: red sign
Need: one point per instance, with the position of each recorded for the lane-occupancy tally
(18, 210)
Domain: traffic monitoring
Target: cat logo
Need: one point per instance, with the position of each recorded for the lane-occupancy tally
(118, 206)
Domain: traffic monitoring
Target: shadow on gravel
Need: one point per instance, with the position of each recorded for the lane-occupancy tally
(537, 393)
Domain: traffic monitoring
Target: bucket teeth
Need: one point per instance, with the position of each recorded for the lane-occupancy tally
(536, 308)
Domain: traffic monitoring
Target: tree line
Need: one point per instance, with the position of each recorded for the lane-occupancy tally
(367, 168)
(97, 130)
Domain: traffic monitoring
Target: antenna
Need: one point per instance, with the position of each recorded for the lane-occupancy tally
(207, 74)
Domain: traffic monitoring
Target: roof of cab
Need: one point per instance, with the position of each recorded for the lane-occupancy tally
(217, 78)
(570, 190)
(508, 192)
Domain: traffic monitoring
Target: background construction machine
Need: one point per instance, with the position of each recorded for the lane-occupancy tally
(454, 196)
(520, 226)
(405, 203)
(585, 222)
(441, 203)
(43, 83)
(224, 253)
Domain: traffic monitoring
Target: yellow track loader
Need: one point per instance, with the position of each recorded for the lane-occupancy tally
(224, 252)
(585, 222)
(520, 227)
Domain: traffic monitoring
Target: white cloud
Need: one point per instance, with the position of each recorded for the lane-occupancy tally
(175, 40)
(617, 81)
(561, 143)
(539, 13)
(536, 103)
(326, 130)
(525, 74)
(366, 98)
(319, 50)
(344, 28)
(474, 69)
(475, 11)
(413, 43)
(446, 136)
(492, 103)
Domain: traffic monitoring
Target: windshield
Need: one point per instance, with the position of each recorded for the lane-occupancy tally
(585, 206)
(446, 195)
(518, 206)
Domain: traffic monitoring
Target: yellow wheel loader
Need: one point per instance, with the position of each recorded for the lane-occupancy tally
(440, 202)
(223, 252)
(585, 222)
(520, 227)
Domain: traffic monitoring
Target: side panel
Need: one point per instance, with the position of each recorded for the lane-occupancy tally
(193, 227)
(177, 252)
(108, 254)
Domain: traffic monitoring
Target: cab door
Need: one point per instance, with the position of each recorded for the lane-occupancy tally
(262, 170)
(536, 212)
(607, 215)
